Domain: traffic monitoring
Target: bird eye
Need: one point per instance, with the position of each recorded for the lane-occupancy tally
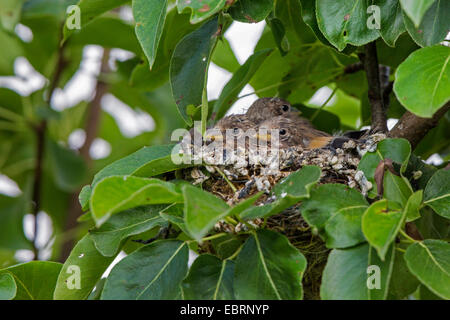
(285, 108)
(283, 132)
(235, 131)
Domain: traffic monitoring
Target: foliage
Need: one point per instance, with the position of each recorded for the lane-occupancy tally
(137, 190)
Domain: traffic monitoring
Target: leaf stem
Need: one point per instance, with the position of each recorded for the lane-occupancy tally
(403, 233)
(226, 179)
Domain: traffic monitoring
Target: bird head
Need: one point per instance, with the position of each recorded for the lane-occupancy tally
(266, 108)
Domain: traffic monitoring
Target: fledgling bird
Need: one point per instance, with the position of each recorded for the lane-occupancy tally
(236, 124)
(293, 132)
(266, 108)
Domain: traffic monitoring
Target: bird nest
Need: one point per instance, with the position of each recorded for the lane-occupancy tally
(236, 182)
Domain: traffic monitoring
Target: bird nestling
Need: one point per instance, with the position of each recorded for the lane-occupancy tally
(266, 108)
(293, 131)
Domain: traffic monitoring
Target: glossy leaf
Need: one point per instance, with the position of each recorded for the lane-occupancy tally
(416, 9)
(346, 275)
(414, 72)
(153, 272)
(344, 22)
(288, 192)
(92, 9)
(308, 10)
(437, 193)
(34, 280)
(81, 271)
(413, 206)
(147, 162)
(336, 211)
(118, 193)
(201, 10)
(113, 232)
(189, 65)
(202, 210)
(150, 17)
(240, 78)
(381, 223)
(251, 11)
(8, 287)
(269, 267)
(429, 261)
(209, 278)
(434, 26)
(391, 20)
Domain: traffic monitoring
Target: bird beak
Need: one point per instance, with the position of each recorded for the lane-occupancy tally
(213, 137)
(264, 137)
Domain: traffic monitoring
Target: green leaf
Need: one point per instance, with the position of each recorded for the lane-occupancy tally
(413, 206)
(12, 212)
(381, 223)
(391, 20)
(109, 32)
(189, 65)
(416, 9)
(336, 211)
(209, 278)
(202, 210)
(113, 232)
(269, 268)
(308, 10)
(279, 34)
(147, 162)
(118, 193)
(346, 275)
(429, 261)
(45, 8)
(403, 283)
(175, 214)
(68, 168)
(84, 264)
(90, 10)
(288, 192)
(201, 9)
(10, 13)
(251, 11)
(35, 280)
(415, 72)
(240, 78)
(434, 26)
(150, 17)
(224, 56)
(345, 22)
(84, 196)
(7, 57)
(437, 193)
(153, 272)
(8, 288)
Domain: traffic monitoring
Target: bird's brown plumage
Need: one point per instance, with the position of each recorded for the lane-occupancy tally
(266, 108)
(237, 126)
(294, 131)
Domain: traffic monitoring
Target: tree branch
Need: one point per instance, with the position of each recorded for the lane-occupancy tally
(414, 128)
(40, 131)
(371, 66)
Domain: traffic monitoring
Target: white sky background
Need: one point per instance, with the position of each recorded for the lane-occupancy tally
(243, 38)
